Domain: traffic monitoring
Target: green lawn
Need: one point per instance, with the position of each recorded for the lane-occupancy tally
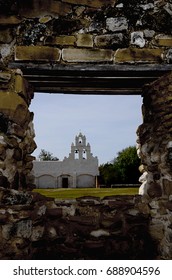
(74, 193)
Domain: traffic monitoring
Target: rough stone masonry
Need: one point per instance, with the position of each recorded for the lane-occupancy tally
(84, 33)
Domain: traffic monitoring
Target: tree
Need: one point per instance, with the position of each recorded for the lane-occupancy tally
(45, 155)
(127, 163)
(124, 168)
(108, 174)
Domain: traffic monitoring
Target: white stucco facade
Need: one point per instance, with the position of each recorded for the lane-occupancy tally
(78, 170)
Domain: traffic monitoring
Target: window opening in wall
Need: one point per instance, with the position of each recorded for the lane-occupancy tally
(109, 123)
(76, 154)
(84, 154)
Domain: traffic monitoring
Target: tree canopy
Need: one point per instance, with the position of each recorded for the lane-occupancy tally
(123, 169)
(46, 155)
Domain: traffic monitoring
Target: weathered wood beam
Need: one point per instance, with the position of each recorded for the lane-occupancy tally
(89, 78)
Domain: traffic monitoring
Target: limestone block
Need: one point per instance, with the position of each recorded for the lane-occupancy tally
(23, 89)
(37, 233)
(154, 190)
(24, 228)
(43, 7)
(137, 39)
(29, 158)
(144, 208)
(167, 187)
(163, 40)
(169, 205)
(116, 24)
(149, 33)
(54, 212)
(12, 141)
(79, 10)
(16, 130)
(37, 53)
(41, 211)
(2, 152)
(86, 55)
(6, 231)
(45, 19)
(56, 7)
(84, 40)
(109, 40)
(99, 232)
(168, 8)
(14, 107)
(28, 145)
(132, 55)
(52, 232)
(69, 210)
(61, 40)
(91, 3)
(5, 77)
(3, 218)
(6, 51)
(9, 20)
(157, 231)
(6, 35)
(147, 6)
(168, 235)
(17, 154)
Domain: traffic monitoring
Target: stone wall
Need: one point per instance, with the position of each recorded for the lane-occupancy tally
(16, 131)
(118, 227)
(155, 138)
(34, 227)
(87, 31)
(83, 32)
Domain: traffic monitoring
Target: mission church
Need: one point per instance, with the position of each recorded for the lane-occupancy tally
(78, 170)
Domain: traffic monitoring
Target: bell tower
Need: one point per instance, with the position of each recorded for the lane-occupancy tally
(80, 150)
(80, 147)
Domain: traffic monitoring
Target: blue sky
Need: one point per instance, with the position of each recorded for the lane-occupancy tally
(108, 122)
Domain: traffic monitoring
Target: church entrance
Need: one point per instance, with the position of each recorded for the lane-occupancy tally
(65, 182)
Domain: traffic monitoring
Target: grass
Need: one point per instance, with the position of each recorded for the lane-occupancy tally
(75, 193)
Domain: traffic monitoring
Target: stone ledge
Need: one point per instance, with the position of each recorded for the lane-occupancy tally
(85, 55)
(38, 53)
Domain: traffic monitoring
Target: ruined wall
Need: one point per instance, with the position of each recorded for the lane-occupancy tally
(16, 131)
(129, 227)
(33, 227)
(155, 138)
(67, 32)
(77, 31)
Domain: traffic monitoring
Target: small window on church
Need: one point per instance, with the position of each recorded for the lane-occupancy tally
(80, 140)
(84, 154)
(76, 154)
